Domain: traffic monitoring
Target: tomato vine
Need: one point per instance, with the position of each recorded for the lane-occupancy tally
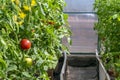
(40, 21)
(108, 29)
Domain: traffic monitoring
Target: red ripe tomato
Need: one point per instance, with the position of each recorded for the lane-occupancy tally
(25, 44)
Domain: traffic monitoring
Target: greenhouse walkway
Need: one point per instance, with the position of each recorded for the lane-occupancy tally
(82, 63)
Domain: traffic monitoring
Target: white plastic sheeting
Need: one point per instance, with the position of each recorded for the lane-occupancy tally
(79, 6)
(81, 19)
(84, 38)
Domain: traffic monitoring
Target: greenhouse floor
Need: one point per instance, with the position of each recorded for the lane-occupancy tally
(82, 68)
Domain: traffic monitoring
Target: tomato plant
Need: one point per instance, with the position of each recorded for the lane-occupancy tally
(37, 21)
(108, 12)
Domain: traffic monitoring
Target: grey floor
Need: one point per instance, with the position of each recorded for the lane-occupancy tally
(81, 73)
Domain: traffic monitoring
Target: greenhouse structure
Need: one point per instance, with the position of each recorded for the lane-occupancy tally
(59, 40)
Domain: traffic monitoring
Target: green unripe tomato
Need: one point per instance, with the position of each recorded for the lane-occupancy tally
(29, 61)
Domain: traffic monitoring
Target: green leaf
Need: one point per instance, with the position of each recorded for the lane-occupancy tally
(117, 64)
(115, 16)
(2, 63)
(3, 41)
(2, 74)
(26, 74)
(41, 9)
(12, 68)
(45, 68)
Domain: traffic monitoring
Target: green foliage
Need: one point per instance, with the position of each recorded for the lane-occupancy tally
(111, 61)
(44, 24)
(108, 12)
(108, 28)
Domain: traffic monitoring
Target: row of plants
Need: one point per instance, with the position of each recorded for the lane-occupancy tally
(30, 38)
(108, 29)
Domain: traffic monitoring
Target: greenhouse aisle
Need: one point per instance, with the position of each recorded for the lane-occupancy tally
(84, 38)
(81, 20)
